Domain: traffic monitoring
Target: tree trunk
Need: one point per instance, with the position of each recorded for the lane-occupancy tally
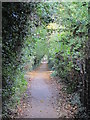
(87, 66)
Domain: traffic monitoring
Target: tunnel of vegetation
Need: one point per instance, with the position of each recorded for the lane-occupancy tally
(32, 30)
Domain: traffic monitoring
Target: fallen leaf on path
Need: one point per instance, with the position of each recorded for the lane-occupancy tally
(29, 79)
(75, 108)
(19, 110)
(41, 101)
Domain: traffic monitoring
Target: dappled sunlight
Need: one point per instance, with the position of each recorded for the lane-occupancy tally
(42, 70)
(53, 26)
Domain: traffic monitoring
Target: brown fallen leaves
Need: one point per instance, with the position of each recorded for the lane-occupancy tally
(65, 109)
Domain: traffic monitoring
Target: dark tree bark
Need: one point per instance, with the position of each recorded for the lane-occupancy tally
(87, 64)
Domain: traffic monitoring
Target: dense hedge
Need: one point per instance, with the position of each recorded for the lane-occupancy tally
(14, 29)
(23, 38)
(68, 47)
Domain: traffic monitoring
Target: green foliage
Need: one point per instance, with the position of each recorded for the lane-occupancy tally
(30, 31)
(14, 22)
(35, 46)
(24, 45)
(67, 43)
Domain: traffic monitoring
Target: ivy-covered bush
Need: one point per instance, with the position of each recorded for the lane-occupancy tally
(24, 41)
(14, 30)
(67, 43)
